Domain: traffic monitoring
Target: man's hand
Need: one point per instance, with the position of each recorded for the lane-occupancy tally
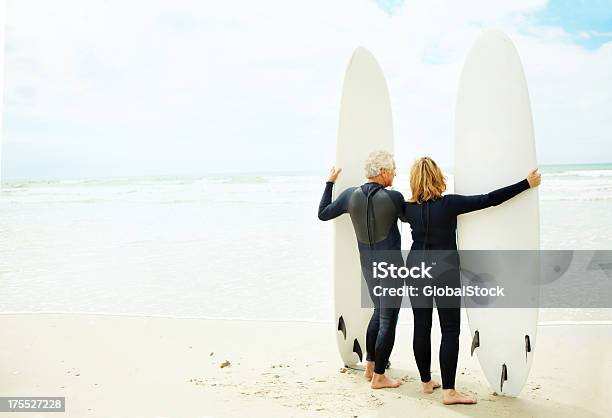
(534, 178)
(333, 174)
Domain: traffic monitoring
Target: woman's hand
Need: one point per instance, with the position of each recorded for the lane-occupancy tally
(534, 178)
(333, 174)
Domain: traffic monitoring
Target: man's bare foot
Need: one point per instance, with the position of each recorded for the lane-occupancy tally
(451, 397)
(428, 387)
(380, 381)
(369, 370)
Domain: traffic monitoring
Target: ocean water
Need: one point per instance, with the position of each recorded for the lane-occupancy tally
(221, 246)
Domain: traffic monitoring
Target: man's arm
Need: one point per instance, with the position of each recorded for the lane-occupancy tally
(330, 210)
(398, 200)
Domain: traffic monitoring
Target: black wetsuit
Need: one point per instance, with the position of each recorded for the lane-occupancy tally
(374, 212)
(434, 225)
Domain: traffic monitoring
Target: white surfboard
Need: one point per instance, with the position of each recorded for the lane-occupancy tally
(365, 125)
(494, 147)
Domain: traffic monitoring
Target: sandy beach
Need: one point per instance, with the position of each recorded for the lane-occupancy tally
(130, 366)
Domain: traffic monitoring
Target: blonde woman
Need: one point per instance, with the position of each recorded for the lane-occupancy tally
(433, 220)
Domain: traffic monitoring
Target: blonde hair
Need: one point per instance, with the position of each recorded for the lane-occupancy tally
(426, 180)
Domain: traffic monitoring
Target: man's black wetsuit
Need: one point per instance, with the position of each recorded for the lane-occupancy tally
(374, 212)
(434, 226)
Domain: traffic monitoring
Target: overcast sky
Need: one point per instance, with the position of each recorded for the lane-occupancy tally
(109, 88)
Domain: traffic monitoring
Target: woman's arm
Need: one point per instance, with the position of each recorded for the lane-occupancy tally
(464, 204)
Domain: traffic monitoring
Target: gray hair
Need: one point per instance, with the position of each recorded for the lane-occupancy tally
(377, 160)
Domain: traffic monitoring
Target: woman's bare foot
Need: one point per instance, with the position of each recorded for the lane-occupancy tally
(428, 387)
(380, 381)
(451, 397)
(369, 370)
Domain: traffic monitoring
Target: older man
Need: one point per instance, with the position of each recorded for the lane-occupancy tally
(374, 211)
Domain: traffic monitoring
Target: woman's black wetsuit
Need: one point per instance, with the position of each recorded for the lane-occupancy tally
(434, 225)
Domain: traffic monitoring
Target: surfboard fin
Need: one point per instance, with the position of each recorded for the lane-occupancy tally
(342, 326)
(475, 342)
(504, 377)
(527, 346)
(357, 349)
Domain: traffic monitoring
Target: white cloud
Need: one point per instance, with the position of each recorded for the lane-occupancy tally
(132, 87)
